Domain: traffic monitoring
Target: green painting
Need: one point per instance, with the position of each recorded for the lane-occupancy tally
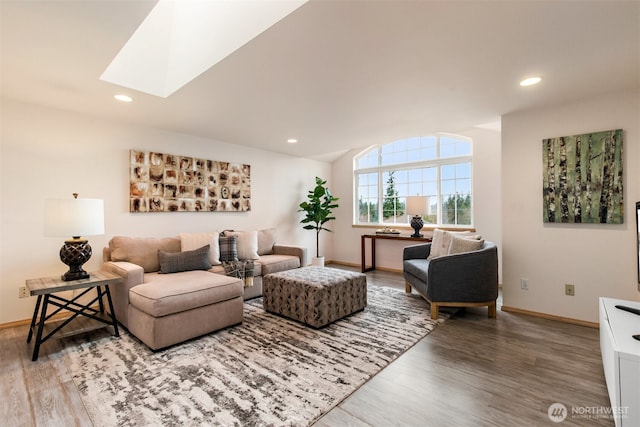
(582, 178)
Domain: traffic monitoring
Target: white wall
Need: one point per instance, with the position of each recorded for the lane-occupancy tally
(599, 259)
(48, 153)
(486, 203)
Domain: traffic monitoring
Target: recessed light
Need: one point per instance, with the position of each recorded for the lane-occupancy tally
(292, 141)
(123, 98)
(531, 81)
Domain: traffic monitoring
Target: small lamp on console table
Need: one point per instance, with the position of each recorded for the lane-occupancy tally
(74, 217)
(417, 207)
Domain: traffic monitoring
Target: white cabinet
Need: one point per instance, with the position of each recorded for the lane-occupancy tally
(621, 359)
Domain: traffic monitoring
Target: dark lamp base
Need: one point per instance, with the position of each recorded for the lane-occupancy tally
(75, 253)
(74, 275)
(416, 224)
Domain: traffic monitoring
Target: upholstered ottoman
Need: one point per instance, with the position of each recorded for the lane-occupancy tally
(315, 296)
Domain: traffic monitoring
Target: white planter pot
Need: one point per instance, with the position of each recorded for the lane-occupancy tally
(317, 261)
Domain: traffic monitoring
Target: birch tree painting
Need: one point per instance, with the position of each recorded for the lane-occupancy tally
(582, 178)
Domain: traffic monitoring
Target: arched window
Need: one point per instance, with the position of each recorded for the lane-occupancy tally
(438, 167)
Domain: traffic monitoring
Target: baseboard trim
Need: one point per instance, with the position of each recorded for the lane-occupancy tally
(15, 324)
(350, 264)
(550, 317)
(26, 322)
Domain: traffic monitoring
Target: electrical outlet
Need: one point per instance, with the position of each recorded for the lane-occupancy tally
(22, 292)
(524, 284)
(569, 289)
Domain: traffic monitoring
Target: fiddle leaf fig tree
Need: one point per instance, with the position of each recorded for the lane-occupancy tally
(318, 209)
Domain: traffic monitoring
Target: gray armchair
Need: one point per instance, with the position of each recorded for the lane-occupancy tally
(467, 279)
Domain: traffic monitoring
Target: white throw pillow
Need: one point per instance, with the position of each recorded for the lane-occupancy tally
(441, 241)
(266, 240)
(247, 243)
(192, 241)
(465, 244)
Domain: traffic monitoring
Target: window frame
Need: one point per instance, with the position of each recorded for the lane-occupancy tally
(437, 163)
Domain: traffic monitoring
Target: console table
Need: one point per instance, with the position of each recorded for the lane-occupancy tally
(386, 236)
(621, 359)
(46, 287)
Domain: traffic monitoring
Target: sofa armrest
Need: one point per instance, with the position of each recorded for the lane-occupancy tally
(298, 251)
(469, 276)
(416, 251)
(132, 275)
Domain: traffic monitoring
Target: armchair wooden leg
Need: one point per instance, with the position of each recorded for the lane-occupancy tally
(492, 310)
(434, 311)
(407, 287)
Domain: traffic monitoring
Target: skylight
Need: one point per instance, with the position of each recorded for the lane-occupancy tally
(180, 39)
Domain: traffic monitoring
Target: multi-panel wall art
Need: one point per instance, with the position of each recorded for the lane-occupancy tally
(582, 178)
(168, 183)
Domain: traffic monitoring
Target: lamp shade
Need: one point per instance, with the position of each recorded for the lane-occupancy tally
(74, 217)
(417, 205)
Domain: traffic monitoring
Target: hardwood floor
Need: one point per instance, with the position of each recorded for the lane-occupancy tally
(470, 371)
(476, 371)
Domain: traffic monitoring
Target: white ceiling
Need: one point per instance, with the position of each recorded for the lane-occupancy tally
(334, 74)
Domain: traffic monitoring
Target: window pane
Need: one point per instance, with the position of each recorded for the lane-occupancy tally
(456, 209)
(448, 172)
(367, 197)
(400, 145)
(413, 143)
(428, 141)
(414, 155)
(430, 188)
(415, 189)
(393, 206)
(463, 186)
(368, 159)
(463, 170)
(448, 187)
(415, 175)
(400, 157)
(368, 211)
(450, 147)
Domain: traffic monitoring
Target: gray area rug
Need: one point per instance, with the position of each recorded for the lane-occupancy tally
(269, 371)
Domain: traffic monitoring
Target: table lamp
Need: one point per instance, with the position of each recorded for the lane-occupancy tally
(74, 217)
(417, 207)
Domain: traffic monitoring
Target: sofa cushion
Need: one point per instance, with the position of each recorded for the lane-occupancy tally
(417, 267)
(228, 248)
(191, 241)
(197, 259)
(164, 294)
(461, 244)
(276, 263)
(142, 251)
(266, 240)
(247, 243)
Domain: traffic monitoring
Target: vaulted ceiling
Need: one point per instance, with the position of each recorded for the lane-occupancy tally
(334, 74)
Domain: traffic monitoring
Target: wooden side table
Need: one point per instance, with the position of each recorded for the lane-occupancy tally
(84, 318)
(374, 237)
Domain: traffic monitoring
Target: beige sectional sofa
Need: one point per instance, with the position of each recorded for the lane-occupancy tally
(176, 288)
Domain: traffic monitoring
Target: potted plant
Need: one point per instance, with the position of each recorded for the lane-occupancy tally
(317, 213)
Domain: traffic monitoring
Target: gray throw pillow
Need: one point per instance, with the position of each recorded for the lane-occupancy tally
(174, 262)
